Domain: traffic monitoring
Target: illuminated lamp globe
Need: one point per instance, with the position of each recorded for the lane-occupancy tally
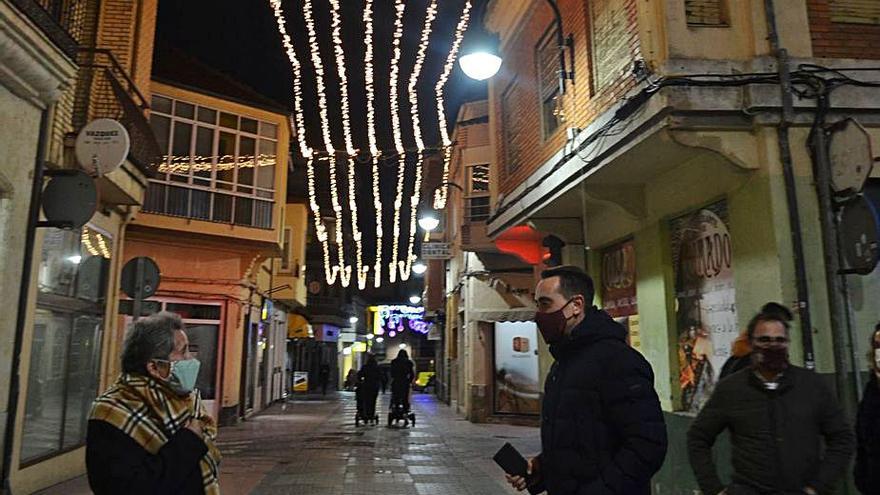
(480, 65)
(429, 221)
(353, 319)
(419, 268)
(415, 299)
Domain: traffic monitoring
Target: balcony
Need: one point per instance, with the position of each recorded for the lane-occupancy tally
(61, 20)
(105, 90)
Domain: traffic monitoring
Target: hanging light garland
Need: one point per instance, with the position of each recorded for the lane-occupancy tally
(371, 136)
(430, 15)
(330, 271)
(399, 7)
(300, 130)
(443, 191)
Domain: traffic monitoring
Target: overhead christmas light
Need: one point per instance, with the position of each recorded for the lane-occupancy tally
(336, 24)
(319, 76)
(371, 135)
(443, 192)
(299, 119)
(320, 230)
(399, 8)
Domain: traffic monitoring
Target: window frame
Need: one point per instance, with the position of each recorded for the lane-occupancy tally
(547, 41)
(471, 194)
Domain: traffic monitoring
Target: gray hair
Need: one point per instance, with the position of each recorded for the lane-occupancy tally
(149, 338)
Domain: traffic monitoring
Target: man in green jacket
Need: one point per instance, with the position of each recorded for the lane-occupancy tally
(778, 416)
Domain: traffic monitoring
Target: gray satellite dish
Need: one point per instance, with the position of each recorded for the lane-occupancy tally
(859, 231)
(70, 199)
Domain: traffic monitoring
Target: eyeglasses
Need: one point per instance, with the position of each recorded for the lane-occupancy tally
(771, 340)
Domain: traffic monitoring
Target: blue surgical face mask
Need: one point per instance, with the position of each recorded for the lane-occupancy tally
(183, 375)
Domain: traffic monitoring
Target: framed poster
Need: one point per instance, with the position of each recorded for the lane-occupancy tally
(619, 288)
(516, 368)
(705, 300)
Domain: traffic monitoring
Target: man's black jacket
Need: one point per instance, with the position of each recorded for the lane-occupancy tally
(602, 429)
(776, 435)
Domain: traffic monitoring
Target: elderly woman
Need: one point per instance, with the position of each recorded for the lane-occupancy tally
(149, 433)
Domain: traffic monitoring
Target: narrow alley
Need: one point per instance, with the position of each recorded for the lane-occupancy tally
(311, 446)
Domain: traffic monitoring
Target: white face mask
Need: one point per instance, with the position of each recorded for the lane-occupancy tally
(877, 359)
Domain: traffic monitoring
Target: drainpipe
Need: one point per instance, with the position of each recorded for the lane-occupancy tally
(23, 292)
(831, 248)
(794, 219)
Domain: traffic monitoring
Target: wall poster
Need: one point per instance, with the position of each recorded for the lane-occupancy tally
(705, 300)
(619, 288)
(516, 368)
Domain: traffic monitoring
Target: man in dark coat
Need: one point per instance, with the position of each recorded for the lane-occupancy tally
(867, 472)
(778, 416)
(602, 430)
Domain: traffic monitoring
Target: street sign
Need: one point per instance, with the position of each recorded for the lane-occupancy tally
(140, 280)
(436, 251)
(859, 232)
(849, 152)
(70, 199)
(102, 146)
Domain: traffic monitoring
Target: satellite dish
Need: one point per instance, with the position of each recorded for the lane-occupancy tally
(102, 146)
(70, 199)
(851, 158)
(859, 231)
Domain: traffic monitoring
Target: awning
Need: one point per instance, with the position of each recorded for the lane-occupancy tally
(523, 242)
(512, 314)
(297, 326)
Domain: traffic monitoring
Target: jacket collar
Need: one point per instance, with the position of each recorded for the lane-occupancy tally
(597, 325)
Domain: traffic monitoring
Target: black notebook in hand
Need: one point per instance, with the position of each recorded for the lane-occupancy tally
(513, 463)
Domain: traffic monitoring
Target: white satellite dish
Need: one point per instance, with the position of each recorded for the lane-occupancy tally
(102, 146)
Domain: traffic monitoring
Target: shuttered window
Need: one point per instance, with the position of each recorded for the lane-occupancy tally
(705, 12)
(855, 11)
(547, 61)
(512, 115)
(611, 50)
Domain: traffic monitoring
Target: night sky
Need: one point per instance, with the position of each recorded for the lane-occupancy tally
(240, 38)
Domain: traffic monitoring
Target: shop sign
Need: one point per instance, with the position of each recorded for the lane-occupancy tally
(517, 387)
(436, 251)
(619, 287)
(300, 381)
(705, 298)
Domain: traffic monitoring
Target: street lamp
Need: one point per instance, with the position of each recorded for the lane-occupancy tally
(369, 336)
(429, 220)
(419, 268)
(415, 299)
(353, 320)
(480, 59)
(379, 340)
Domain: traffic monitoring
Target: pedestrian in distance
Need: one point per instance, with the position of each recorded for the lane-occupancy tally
(779, 416)
(867, 471)
(149, 432)
(324, 377)
(383, 376)
(368, 390)
(402, 376)
(740, 355)
(350, 380)
(602, 429)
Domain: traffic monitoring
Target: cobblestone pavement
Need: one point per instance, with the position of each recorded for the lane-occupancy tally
(310, 446)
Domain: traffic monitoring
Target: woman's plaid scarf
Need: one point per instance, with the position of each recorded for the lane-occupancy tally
(151, 413)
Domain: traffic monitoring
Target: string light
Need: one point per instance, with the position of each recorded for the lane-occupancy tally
(297, 87)
(344, 271)
(443, 192)
(319, 75)
(371, 135)
(430, 15)
(399, 7)
(356, 233)
(330, 272)
(343, 79)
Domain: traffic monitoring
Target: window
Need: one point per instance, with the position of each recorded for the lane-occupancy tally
(547, 62)
(855, 11)
(512, 117)
(706, 13)
(218, 167)
(285, 250)
(66, 348)
(477, 209)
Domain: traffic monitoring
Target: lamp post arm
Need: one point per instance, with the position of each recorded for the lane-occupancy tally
(560, 44)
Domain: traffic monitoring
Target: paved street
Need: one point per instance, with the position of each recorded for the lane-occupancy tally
(311, 446)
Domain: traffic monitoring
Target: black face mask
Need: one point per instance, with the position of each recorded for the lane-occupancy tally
(771, 359)
(552, 325)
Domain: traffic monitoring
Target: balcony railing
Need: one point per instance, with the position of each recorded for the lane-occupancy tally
(105, 90)
(207, 204)
(61, 20)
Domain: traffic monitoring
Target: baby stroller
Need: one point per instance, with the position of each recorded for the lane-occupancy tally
(365, 396)
(399, 409)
